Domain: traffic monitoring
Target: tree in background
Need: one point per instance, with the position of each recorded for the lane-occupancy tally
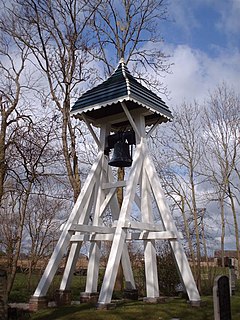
(54, 32)
(30, 153)
(57, 44)
(132, 30)
(221, 161)
(13, 85)
(182, 153)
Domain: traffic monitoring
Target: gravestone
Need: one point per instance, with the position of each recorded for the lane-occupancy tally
(221, 298)
(232, 280)
(3, 294)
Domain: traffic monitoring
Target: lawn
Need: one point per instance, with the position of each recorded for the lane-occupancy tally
(173, 308)
(20, 292)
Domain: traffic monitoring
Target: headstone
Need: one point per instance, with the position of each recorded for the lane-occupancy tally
(3, 294)
(221, 298)
(232, 280)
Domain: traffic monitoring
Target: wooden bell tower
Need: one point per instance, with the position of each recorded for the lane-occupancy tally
(118, 105)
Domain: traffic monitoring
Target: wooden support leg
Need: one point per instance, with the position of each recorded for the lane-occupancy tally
(75, 250)
(94, 254)
(127, 269)
(126, 263)
(120, 234)
(151, 274)
(185, 271)
(70, 266)
(168, 222)
(93, 267)
(64, 239)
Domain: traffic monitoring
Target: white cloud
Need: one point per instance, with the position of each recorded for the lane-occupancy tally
(182, 14)
(194, 73)
(230, 12)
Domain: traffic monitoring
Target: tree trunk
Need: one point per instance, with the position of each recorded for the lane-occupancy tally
(2, 154)
(186, 227)
(195, 217)
(12, 274)
(235, 225)
(119, 278)
(222, 229)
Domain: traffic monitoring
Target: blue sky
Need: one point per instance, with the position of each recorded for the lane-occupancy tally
(202, 37)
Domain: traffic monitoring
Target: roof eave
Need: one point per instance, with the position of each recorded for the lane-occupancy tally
(164, 113)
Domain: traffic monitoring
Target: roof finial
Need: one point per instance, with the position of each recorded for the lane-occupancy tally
(122, 60)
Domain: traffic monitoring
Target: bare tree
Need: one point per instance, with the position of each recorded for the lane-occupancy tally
(177, 192)
(130, 29)
(54, 32)
(29, 152)
(61, 41)
(182, 151)
(42, 228)
(62, 36)
(13, 57)
(222, 147)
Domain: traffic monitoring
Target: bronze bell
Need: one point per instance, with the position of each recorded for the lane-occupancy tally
(121, 155)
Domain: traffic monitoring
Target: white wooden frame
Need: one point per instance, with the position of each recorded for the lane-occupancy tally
(98, 194)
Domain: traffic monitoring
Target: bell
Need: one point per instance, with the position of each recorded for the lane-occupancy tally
(121, 155)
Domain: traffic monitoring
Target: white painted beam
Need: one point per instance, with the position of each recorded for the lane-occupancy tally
(120, 235)
(130, 118)
(169, 224)
(120, 117)
(91, 229)
(153, 128)
(112, 185)
(125, 259)
(141, 226)
(161, 235)
(100, 146)
(64, 239)
(150, 259)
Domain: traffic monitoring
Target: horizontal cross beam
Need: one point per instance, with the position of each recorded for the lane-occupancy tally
(162, 235)
(116, 184)
(91, 229)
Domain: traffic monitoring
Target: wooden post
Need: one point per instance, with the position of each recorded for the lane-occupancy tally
(119, 279)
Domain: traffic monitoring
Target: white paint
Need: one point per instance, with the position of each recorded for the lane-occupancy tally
(98, 195)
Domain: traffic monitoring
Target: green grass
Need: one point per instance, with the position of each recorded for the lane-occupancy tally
(173, 308)
(20, 292)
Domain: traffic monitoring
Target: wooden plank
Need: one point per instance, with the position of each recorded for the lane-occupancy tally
(107, 201)
(162, 235)
(95, 247)
(120, 233)
(142, 226)
(153, 128)
(75, 248)
(150, 259)
(76, 214)
(111, 185)
(130, 118)
(125, 259)
(91, 229)
(169, 224)
(100, 146)
(119, 117)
